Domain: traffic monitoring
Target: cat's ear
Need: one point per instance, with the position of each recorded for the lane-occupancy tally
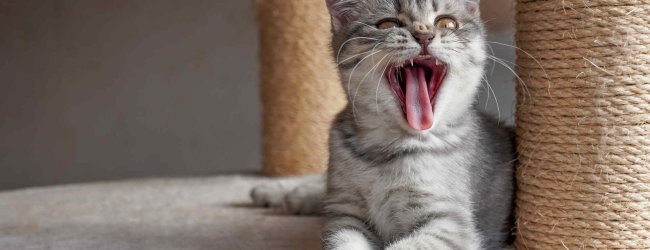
(342, 11)
(472, 6)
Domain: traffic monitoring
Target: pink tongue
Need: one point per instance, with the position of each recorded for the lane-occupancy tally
(419, 113)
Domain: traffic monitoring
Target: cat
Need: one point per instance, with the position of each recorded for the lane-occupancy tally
(413, 163)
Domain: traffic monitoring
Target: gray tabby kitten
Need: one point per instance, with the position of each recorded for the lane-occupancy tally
(413, 164)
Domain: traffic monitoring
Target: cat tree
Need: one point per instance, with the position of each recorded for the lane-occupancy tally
(301, 92)
(583, 124)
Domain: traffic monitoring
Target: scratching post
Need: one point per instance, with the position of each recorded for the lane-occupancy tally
(583, 124)
(301, 92)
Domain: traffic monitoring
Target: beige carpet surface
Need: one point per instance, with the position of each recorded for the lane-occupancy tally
(194, 213)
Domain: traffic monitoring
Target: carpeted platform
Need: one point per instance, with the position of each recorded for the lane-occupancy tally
(196, 213)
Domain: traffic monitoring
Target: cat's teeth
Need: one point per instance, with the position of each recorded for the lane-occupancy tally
(438, 62)
(411, 62)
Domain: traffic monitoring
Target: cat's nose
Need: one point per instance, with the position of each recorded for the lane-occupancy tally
(424, 38)
(423, 33)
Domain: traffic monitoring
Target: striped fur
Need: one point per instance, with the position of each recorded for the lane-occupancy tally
(388, 186)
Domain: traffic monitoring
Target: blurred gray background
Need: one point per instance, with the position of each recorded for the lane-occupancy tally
(100, 90)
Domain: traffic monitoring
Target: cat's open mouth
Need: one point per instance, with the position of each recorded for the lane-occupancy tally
(416, 83)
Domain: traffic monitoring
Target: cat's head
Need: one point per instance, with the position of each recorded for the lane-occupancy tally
(416, 64)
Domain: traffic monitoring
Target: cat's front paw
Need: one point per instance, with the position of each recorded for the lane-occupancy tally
(294, 198)
(348, 239)
(401, 245)
(268, 195)
(413, 246)
(305, 199)
(432, 242)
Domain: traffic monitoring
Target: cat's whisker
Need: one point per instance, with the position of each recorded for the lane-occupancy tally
(338, 54)
(372, 70)
(495, 96)
(506, 64)
(355, 68)
(494, 65)
(374, 48)
(521, 81)
(351, 57)
(379, 82)
(487, 99)
(525, 52)
(358, 54)
(506, 61)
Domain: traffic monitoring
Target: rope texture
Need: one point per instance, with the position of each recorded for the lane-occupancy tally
(583, 124)
(301, 91)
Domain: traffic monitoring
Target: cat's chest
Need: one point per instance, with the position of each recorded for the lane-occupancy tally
(433, 173)
(400, 190)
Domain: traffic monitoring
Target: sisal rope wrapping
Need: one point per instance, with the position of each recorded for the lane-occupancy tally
(583, 124)
(301, 92)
